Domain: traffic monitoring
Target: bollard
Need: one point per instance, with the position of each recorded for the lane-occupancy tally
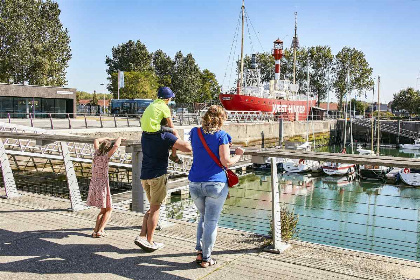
(139, 202)
(140, 121)
(8, 116)
(128, 123)
(262, 139)
(278, 246)
(115, 121)
(51, 122)
(85, 120)
(280, 132)
(100, 120)
(68, 117)
(32, 122)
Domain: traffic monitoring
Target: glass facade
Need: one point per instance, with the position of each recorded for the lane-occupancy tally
(21, 107)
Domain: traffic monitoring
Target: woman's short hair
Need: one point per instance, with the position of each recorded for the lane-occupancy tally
(213, 119)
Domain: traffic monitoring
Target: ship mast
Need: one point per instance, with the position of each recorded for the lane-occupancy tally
(295, 45)
(241, 77)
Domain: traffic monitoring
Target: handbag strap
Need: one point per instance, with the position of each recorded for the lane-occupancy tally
(216, 160)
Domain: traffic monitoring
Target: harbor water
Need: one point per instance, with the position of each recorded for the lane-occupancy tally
(371, 216)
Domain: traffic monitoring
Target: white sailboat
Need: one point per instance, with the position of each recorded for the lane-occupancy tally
(410, 176)
(368, 171)
(301, 166)
(415, 146)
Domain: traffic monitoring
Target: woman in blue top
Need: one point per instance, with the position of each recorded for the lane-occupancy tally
(208, 182)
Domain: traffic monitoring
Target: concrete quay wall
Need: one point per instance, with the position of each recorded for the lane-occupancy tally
(250, 133)
(242, 133)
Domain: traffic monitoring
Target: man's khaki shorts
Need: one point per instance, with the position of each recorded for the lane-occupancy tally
(155, 189)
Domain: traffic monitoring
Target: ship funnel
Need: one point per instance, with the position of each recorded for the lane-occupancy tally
(254, 61)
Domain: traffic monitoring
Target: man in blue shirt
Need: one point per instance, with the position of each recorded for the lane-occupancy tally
(154, 178)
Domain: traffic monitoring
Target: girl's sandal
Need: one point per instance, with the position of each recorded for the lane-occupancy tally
(199, 260)
(94, 235)
(208, 263)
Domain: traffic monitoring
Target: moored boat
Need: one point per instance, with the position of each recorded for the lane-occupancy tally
(415, 146)
(410, 176)
(336, 169)
(278, 97)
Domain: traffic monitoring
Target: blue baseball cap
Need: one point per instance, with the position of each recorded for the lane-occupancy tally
(165, 93)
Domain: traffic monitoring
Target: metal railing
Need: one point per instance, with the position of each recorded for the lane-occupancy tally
(332, 211)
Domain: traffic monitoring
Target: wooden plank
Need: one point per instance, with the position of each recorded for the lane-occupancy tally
(75, 198)
(8, 178)
(339, 158)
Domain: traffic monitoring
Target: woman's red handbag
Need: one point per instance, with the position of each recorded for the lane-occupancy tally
(232, 178)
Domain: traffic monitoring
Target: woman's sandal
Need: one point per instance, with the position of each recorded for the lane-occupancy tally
(199, 261)
(94, 234)
(208, 263)
(100, 234)
(175, 159)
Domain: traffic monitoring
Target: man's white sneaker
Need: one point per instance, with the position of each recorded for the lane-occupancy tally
(157, 245)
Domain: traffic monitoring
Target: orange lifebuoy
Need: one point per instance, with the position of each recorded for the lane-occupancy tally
(406, 170)
(301, 161)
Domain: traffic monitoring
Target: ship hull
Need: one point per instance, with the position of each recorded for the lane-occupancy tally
(286, 109)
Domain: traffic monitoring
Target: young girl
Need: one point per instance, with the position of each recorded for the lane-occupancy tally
(99, 192)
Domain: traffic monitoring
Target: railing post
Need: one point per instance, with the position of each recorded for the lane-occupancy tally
(128, 123)
(139, 203)
(85, 120)
(262, 139)
(32, 122)
(68, 117)
(100, 120)
(278, 246)
(115, 121)
(75, 197)
(280, 131)
(51, 121)
(8, 179)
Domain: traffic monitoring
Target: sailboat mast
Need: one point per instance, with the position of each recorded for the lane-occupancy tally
(379, 113)
(241, 78)
(295, 45)
(372, 136)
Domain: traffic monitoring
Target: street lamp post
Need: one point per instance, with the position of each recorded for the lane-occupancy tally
(104, 97)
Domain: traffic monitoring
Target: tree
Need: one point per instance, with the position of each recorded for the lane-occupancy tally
(129, 57)
(210, 88)
(360, 106)
(34, 45)
(265, 63)
(408, 100)
(320, 61)
(137, 85)
(186, 79)
(163, 66)
(94, 100)
(353, 63)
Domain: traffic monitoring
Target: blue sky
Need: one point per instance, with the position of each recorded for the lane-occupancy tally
(388, 32)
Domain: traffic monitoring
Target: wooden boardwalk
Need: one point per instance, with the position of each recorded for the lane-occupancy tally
(42, 240)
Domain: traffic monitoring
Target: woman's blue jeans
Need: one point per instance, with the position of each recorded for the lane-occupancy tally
(209, 198)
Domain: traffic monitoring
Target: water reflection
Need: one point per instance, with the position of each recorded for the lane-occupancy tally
(373, 217)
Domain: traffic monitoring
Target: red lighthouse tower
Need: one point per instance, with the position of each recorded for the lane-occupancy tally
(278, 54)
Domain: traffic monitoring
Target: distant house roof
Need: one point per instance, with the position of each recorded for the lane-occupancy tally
(333, 106)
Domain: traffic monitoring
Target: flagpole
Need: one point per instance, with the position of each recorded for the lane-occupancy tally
(118, 85)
